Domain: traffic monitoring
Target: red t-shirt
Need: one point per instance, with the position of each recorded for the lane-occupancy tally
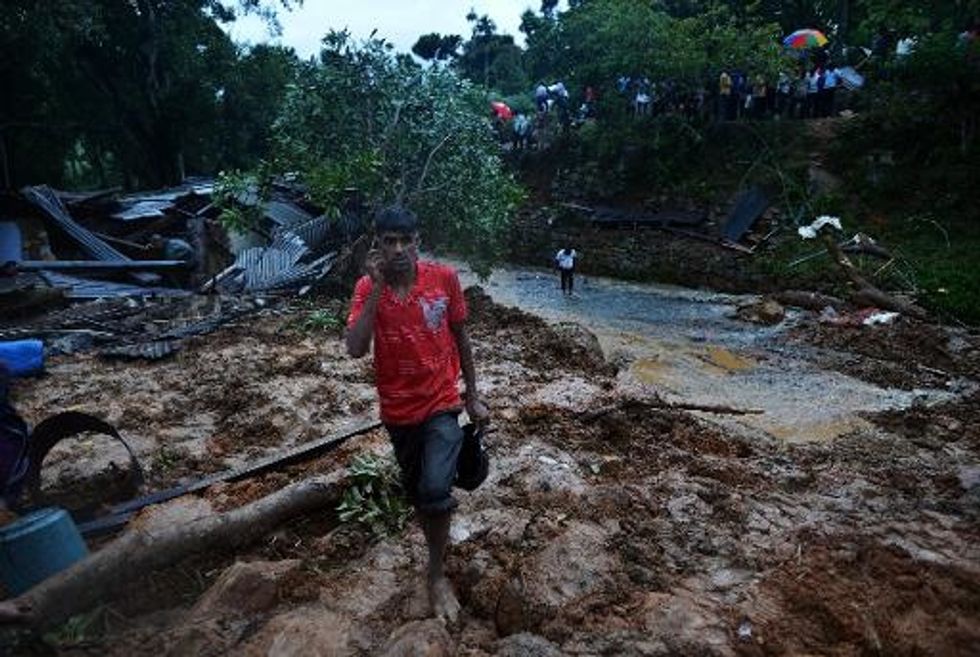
(416, 363)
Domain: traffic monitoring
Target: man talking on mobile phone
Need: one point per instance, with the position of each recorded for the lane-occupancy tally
(415, 314)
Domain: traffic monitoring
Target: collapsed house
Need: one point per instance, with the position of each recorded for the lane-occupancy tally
(131, 275)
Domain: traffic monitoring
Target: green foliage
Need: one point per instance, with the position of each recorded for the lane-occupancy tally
(910, 160)
(238, 194)
(941, 256)
(248, 104)
(490, 59)
(375, 498)
(135, 92)
(923, 120)
(166, 459)
(78, 630)
(363, 119)
(435, 46)
(605, 39)
(321, 320)
(595, 43)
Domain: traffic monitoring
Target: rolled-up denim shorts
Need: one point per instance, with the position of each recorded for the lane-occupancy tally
(427, 455)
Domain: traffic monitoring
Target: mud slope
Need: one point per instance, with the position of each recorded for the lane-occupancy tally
(637, 531)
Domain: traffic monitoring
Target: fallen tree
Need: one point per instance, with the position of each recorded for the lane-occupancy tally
(149, 546)
(866, 293)
(808, 300)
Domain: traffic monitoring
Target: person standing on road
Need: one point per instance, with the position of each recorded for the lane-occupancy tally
(415, 313)
(565, 261)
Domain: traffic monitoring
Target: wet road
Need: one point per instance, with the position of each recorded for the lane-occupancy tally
(686, 346)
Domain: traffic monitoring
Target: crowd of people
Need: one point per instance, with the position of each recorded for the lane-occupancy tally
(552, 104)
(812, 93)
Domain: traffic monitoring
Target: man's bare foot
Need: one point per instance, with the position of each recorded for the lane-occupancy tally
(443, 600)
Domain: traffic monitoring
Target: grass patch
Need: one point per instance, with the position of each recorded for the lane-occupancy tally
(327, 316)
(943, 261)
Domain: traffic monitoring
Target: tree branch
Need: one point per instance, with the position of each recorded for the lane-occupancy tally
(428, 161)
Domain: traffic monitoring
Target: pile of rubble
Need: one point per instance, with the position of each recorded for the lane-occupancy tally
(128, 274)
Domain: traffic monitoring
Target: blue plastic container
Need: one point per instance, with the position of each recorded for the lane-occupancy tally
(36, 546)
(11, 244)
(22, 357)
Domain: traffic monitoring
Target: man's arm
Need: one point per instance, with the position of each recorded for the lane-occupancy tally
(475, 407)
(364, 308)
(358, 337)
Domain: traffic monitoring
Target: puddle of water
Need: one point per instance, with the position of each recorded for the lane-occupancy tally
(687, 345)
(648, 370)
(726, 360)
(817, 432)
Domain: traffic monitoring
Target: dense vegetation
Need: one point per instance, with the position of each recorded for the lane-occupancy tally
(144, 92)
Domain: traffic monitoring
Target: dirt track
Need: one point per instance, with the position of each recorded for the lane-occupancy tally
(640, 532)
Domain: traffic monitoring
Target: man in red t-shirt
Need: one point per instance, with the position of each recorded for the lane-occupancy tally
(415, 313)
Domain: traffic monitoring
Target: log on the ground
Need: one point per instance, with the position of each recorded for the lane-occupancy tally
(868, 294)
(595, 414)
(143, 549)
(872, 296)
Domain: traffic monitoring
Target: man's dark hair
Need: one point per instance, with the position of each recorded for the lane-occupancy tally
(395, 219)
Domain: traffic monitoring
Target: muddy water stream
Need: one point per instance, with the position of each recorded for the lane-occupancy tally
(687, 346)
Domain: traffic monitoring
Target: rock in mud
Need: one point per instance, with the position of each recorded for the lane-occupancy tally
(575, 564)
(311, 631)
(581, 343)
(686, 624)
(527, 645)
(427, 638)
(767, 311)
(207, 638)
(244, 588)
(509, 615)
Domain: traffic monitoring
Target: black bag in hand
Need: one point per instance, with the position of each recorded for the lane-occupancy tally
(474, 464)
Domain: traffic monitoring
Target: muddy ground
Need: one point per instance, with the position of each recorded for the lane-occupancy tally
(635, 531)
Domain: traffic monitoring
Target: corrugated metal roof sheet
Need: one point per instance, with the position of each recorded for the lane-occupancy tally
(144, 210)
(284, 213)
(199, 186)
(83, 288)
(43, 197)
(146, 351)
(314, 232)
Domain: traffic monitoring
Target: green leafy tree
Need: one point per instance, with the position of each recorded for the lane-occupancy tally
(543, 57)
(249, 102)
(136, 84)
(598, 41)
(490, 58)
(438, 47)
(361, 118)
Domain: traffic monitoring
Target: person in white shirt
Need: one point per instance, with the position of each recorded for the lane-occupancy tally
(831, 82)
(565, 261)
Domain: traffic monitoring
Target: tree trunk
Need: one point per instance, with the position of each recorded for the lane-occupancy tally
(143, 549)
(808, 300)
(868, 294)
